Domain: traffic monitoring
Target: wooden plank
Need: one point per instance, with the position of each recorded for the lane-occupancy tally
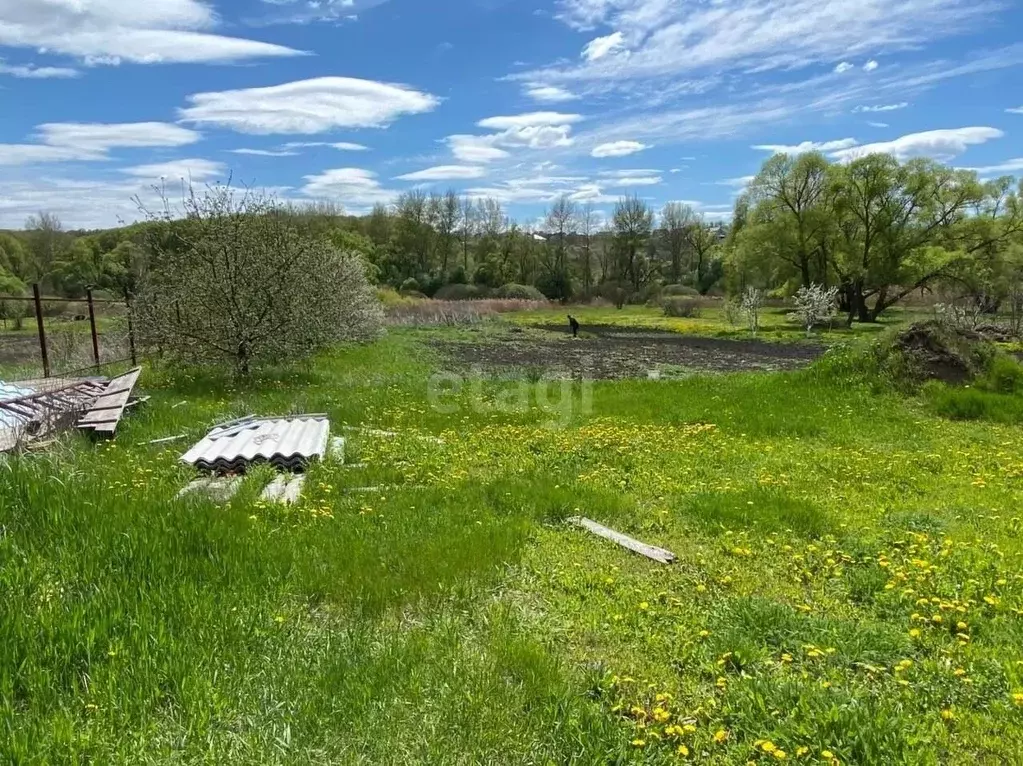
(650, 551)
(114, 399)
(164, 440)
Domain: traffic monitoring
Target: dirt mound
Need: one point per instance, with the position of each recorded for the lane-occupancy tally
(935, 351)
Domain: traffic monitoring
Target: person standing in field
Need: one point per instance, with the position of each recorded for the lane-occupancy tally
(574, 324)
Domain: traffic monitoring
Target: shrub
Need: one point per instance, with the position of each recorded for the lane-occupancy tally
(814, 305)
(411, 285)
(1004, 376)
(752, 302)
(459, 293)
(236, 281)
(681, 307)
(732, 311)
(680, 290)
(958, 403)
(514, 291)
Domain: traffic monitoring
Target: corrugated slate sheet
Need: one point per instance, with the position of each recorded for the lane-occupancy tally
(288, 444)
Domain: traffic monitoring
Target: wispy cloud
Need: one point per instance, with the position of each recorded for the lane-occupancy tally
(83, 142)
(881, 107)
(149, 32)
(445, 173)
(618, 149)
(308, 106)
(662, 38)
(808, 146)
(33, 72)
(938, 144)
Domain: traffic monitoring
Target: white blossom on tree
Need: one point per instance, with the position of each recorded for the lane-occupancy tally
(815, 304)
(236, 280)
(752, 302)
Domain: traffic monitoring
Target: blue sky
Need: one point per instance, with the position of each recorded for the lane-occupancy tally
(358, 100)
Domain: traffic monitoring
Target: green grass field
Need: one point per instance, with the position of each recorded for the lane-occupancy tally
(848, 586)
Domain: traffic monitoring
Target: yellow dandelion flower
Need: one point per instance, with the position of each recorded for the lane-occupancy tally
(720, 736)
(682, 750)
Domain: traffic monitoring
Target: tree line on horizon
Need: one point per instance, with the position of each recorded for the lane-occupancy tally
(875, 229)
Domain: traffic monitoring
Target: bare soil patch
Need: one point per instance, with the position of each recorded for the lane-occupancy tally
(606, 352)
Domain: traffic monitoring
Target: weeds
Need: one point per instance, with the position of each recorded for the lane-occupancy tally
(847, 589)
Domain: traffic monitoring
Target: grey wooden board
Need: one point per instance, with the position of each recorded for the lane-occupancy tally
(274, 491)
(110, 405)
(650, 551)
(294, 489)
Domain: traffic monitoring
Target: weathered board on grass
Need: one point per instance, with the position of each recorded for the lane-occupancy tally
(650, 551)
(105, 413)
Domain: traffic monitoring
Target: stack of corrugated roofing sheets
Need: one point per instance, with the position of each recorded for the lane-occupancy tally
(288, 444)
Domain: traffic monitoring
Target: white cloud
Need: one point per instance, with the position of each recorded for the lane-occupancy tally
(808, 146)
(1015, 110)
(529, 120)
(265, 152)
(70, 142)
(618, 149)
(33, 72)
(549, 94)
(308, 106)
(881, 107)
(636, 181)
(445, 173)
(843, 66)
(736, 183)
(542, 189)
(341, 146)
(176, 170)
(475, 148)
(1009, 166)
(109, 31)
(878, 124)
(668, 38)
(532, 130)
(602, 46)
(870, 66)
(309, 11)
(352, 187)
(939, 144)
(103, 137)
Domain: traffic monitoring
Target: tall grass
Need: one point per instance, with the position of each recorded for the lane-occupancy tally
(452, 616)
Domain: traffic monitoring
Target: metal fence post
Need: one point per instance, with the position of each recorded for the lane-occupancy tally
(92, 325)
(131, 333)
(42, 330)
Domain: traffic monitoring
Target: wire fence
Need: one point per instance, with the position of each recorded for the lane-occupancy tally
(43, 336)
